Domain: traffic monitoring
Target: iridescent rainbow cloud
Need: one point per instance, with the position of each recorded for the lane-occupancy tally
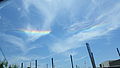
(35, 31)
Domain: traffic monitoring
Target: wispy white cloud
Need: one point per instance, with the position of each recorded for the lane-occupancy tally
(48, 8)
(104, 26)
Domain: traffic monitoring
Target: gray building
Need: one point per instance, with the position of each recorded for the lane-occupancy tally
(110, 64)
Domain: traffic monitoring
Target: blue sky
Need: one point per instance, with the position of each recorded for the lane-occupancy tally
(72, 23)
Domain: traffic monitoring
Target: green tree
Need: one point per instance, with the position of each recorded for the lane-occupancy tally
(3, 64)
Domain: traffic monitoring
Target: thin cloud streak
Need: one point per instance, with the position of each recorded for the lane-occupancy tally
(13, 40)
(16, 41)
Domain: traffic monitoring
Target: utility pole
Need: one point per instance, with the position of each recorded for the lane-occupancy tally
(52, 63)
(35, 63)
(21, 65)
(71, 61)
(91, 55)
(118, 52)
